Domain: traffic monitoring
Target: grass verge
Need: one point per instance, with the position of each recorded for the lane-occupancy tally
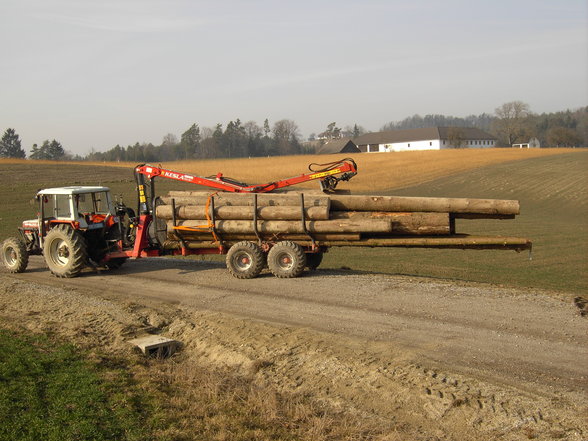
(49, 392)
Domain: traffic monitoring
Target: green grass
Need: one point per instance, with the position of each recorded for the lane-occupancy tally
(554, 215)
(48, 392)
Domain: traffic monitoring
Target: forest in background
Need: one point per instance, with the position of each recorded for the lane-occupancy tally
(511, 123)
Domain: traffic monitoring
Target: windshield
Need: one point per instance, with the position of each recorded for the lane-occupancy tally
(93, 203)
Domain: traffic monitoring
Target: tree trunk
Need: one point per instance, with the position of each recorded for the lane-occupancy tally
(404, 223)
(293, 227)
(439, 205)
(245, 199)
(244, 212)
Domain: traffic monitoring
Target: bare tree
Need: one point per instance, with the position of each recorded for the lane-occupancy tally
(511, 123)
(456, 137)
(563, 137)
(286, 137)
(169, 139)
(252, 129)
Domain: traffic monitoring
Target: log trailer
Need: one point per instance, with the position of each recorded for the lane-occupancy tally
(81, 226)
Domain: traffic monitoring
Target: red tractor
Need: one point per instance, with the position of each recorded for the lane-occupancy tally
(82, 226)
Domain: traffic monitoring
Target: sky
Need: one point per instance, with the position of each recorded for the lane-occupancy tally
(93, 74)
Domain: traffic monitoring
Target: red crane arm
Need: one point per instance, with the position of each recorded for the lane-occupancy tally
(327, 175)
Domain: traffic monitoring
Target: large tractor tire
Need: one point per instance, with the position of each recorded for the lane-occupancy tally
(65, 251)
(313, 260)
(14, 255)
(245, 260)
(286, 259)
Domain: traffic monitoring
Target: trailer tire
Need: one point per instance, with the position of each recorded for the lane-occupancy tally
(14, 255)
(313, 260)
(65, 251)
(286, 259)
(245, 260)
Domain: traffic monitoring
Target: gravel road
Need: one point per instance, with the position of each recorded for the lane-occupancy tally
(451, 360)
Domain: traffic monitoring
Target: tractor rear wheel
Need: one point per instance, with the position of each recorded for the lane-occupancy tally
(65, 251)
(245, 260)
(286, 259)
(14, 255)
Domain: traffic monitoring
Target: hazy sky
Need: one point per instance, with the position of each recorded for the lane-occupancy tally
(93, 74)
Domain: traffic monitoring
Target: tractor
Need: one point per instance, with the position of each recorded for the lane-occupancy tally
(75, 226)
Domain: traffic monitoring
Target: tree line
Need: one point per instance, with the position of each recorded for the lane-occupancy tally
(511, 123)
(236, 140)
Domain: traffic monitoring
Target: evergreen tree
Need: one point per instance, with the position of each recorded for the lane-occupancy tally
(49, 150)
(266, 128)
(10, 145)
(191, 141)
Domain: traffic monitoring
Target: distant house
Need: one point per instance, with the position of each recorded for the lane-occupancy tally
(533, 144)
(342, 145)
(431, 138)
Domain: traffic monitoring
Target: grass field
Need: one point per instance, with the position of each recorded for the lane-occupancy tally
(49, 392)
(550, 183)
(554, 215)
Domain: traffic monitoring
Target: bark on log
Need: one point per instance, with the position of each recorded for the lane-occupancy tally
(439, 205)
(266, 237)
(293, 227)
(245, 199)
(241, 212)
(404, 223)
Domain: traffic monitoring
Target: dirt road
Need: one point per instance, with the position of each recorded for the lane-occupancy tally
(432, 358)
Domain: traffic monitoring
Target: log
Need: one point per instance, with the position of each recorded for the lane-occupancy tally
(451, 242)
(229, 212)
(293, 227)
(266, 237)
(245, 199)
(457, 241)
(404, 223)
(418, 204)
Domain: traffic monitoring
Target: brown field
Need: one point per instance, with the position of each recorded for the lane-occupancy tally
(377, 171)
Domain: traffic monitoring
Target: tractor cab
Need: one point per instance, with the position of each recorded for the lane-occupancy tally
(75, 226)
(83, 207)
(88, 210)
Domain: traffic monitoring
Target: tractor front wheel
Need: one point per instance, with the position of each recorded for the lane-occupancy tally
(286, 259)
(65, 251)
(245, 260)
(14, 255)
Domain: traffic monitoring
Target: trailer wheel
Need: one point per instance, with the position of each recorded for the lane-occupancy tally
(313, 260)
(286, 259)
(14, 255)
(65, 251)
(245, 260)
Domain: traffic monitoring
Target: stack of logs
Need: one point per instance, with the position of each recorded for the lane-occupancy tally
(332, 220)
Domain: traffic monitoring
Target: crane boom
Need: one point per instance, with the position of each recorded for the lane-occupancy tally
(329, 175)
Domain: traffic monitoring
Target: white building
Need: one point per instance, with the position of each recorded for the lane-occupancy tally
(431, 138)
